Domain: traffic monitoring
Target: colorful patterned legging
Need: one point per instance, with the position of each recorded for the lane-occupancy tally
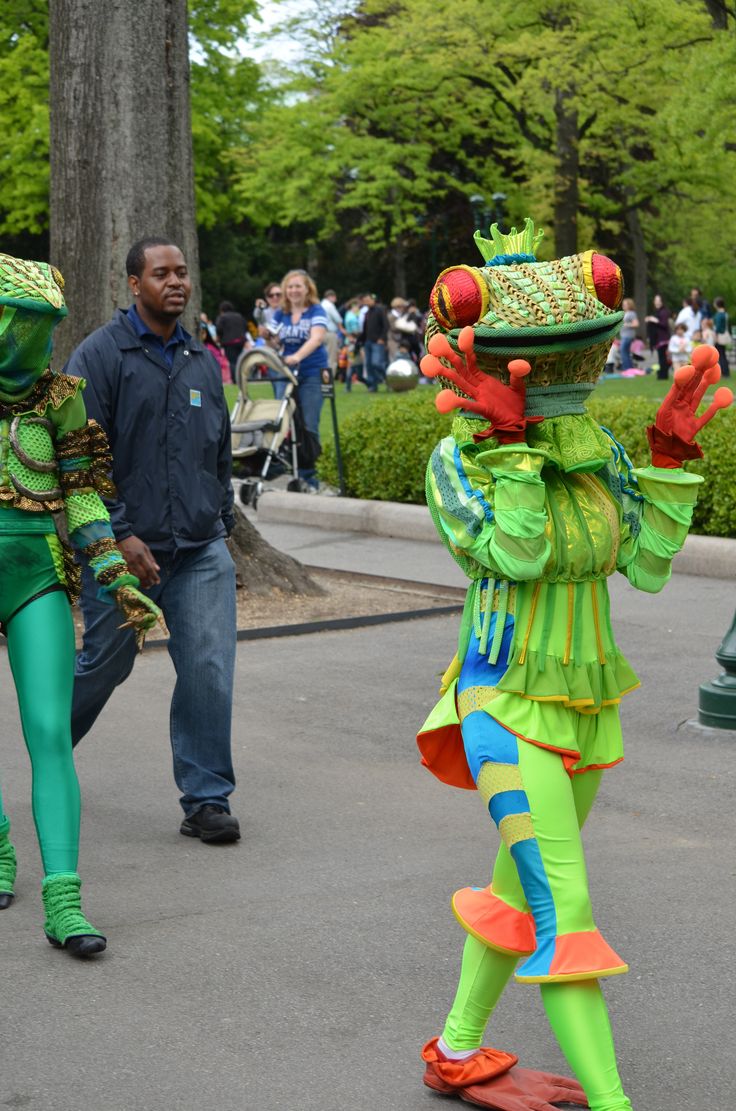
(539, 811)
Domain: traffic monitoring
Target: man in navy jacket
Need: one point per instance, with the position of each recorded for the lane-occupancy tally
(158, 395)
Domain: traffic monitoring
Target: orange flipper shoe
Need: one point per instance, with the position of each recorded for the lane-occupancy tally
(446, 1077)
(490, 1079)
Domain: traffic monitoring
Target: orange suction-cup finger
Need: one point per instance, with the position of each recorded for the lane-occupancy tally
(722, 398)
(466, 340)
(519, 368)
(683, 375)
(446, 401)
(440, 346)
(430, 366)
(704, 356)
(709, 377)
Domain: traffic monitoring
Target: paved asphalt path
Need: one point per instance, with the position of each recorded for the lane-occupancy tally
(303, 968)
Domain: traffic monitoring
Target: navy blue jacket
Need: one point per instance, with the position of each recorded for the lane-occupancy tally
(169, 433)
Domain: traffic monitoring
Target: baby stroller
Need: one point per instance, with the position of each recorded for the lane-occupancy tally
(264, 429)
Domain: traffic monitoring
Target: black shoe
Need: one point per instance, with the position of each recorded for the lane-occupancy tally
(6, 898)
(213, 825)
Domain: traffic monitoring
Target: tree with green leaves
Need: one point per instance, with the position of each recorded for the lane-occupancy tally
(580, 113)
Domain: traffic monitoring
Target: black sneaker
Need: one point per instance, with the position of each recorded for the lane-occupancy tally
(213, 825)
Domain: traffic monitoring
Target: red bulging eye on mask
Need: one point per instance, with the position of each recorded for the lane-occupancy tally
(604, 279)
(459, 297)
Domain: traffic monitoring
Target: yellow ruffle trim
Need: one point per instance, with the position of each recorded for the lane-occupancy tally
(585, 687)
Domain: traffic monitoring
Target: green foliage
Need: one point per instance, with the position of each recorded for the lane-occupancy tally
(386, 448)
(225, 96)
(409, 108)
(225, 91)
(24, 136)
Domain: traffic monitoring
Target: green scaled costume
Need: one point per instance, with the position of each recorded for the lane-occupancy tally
(539, 506)
(53, 466)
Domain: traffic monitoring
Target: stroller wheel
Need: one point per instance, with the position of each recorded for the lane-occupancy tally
(298, 486)
(250, 492)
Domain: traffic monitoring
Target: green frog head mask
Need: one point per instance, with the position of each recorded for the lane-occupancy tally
(560, 316)
(31, 305)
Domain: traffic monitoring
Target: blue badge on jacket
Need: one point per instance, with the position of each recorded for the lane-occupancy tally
(195, 398)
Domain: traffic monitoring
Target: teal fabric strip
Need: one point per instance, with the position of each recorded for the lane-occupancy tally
(557, 400)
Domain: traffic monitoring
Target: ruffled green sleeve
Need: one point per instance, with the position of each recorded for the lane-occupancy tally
(489, 508)
(660, 511)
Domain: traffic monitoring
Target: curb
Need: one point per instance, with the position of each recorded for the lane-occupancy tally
(711, 557)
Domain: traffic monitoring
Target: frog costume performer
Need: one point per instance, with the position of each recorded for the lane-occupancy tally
(539, 505)
(53, 466)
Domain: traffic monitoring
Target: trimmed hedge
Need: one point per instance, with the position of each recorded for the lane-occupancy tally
(386, 447)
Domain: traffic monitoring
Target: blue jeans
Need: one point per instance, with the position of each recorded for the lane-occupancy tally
(626, 361)
(310, 403)
(197, 597)
(375, 361)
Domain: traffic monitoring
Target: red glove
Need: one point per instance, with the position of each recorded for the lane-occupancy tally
(672, 436)
(524, 1090)
(502, 405)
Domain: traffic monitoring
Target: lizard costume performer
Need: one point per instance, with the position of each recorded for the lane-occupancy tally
(53, 462)
(539, 505)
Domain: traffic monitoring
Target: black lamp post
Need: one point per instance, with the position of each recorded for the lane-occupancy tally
(478, 207)
(717, 702)
(499, 207)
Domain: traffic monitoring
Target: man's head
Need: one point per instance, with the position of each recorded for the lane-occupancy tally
(369, 299)
(158, 278)
(330, 295)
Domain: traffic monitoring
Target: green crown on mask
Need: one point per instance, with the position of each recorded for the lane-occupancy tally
(516, 246)
(36, 286)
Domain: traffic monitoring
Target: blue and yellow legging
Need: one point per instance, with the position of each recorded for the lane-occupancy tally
(538, 906)
(37, 621)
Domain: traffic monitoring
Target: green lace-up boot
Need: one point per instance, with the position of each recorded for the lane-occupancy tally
(8, 866)
(65, 926)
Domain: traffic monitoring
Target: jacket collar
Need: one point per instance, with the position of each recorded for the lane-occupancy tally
(127, 338)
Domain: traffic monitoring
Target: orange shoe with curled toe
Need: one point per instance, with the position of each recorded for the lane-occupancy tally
(491, 1079)
(448, 1077)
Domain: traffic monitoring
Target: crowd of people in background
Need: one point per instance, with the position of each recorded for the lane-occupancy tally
(361, 335)
(671, 336)
(358, 340)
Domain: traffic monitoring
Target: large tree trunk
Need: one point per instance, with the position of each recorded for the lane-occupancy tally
(121, 170)
(566, 178)
(399, 260)
(641, 266)
(260, 569)
(121, 149)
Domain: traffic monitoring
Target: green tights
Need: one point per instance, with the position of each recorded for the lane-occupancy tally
(576, 1010)
(41, 654)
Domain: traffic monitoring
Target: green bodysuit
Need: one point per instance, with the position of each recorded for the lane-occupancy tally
(53, 466)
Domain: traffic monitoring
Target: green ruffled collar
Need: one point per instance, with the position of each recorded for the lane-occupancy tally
(573, 442)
